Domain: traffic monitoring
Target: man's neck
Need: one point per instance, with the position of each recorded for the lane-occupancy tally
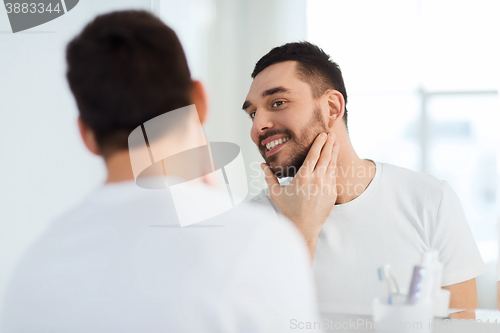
(119, 167)
(353, 174)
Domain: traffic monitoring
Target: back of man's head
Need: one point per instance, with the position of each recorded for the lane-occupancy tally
(313, 67)
(126, 68)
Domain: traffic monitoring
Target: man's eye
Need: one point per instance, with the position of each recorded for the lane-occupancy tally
(252, 115)
(278, 103)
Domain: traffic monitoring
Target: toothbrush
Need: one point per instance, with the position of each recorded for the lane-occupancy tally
(384, 274)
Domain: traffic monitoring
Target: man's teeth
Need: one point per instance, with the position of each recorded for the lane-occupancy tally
(272, 144)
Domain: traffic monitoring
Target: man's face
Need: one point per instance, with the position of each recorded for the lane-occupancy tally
(286, 118)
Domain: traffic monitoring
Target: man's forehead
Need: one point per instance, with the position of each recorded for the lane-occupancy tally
(282, 74)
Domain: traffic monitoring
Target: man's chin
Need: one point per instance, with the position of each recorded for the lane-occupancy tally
(282, 171)
(282, 166)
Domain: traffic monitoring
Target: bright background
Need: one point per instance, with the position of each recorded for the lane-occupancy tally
(422, 78)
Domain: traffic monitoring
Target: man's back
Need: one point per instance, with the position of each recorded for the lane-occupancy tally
(121, 262)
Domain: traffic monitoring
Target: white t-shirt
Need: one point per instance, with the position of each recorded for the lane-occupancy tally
(400, 215)
(120, 262)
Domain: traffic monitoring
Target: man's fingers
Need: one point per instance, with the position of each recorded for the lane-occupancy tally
(325, 157)
(332, 167)
(313, 154)
(271, 179)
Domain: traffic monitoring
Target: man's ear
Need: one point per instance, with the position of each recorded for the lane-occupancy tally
(88, 137)
(336, 106)
(199, 98)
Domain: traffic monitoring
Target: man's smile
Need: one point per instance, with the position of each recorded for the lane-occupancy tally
(274, 143)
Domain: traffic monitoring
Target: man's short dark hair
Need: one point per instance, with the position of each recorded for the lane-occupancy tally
(313, 67)
(125, 68)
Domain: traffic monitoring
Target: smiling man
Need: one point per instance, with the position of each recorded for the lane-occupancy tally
(382, 213)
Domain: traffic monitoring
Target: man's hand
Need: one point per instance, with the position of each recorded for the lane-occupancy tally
(463, 296)
(310, 197)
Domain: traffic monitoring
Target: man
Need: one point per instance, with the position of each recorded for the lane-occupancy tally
(119, 261)
(382, 214)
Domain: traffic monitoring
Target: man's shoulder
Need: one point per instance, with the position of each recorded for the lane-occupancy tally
(409, 180)
(101, 222)
(105, 230)
(95, 245)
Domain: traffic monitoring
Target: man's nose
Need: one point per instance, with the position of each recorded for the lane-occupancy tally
(262, 122)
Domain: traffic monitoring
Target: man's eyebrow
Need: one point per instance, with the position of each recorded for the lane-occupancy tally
(273, 91)
(267, 92)
(246, 105)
